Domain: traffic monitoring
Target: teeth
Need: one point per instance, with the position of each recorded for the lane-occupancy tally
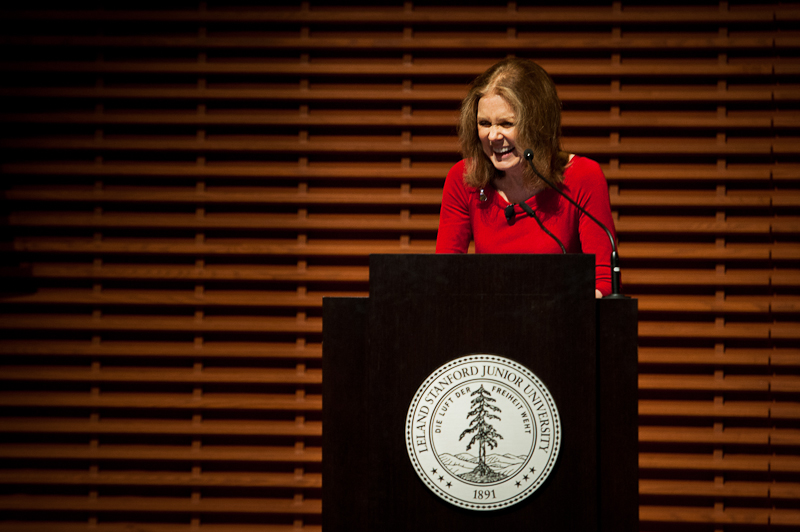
(503, 150)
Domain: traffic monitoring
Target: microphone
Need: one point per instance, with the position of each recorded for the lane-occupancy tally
(527, 209)
(511, 217)
(614, 256)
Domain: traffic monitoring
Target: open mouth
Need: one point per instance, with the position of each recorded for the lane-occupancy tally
(503, 151)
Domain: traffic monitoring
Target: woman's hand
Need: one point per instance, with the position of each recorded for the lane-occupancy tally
(597, 294)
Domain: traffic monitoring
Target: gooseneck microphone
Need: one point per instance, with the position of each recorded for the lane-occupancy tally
(529, 211)
(614, 256)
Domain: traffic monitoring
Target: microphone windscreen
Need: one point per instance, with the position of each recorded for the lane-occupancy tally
(510, 214)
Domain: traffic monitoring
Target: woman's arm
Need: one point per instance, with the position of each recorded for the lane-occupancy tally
(455, 229)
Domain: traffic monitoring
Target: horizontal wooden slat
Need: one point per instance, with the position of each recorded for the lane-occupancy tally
(786, 95)
(748, 383)
(217, 272)
(394, 41)
(375, 145)
(689, 514)
(322, 222)
(694, 251)
(150, 349)
(786, 330)
(313, 300)
(314, 196)
(634, 277)
(363, 248)
(161, 375)
(254, 247)
(251, 170)
(254, 196)
(83, 526)
(427, 14)
(692, 224)
(785, 517)
(785, 251)
(785, 463)
(164, 401)
(418, 67)
(599, 94)
(708, 356)
(173, 453)
(705, 304)
(205, 427)
(701, 435)
(704, 462)
(785, 437)
(785, 383)
(781, 383)
(786, 172)
(709, 409)
(67, 322)
(208, 298)
(785, 278)
(785, 410)
(158, 478)
(396, 145)
(699, 488)
(785, 490)
(384, 171)
(158, 505)
(418, 118)
(786, 357)
(306, 221)
(673, 329)
(688, 199)
(314, 325)
(316, 222)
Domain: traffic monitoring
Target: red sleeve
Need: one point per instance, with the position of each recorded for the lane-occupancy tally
(593, 196)
(455, 228)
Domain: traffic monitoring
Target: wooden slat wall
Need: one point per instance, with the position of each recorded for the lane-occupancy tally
(183, 183)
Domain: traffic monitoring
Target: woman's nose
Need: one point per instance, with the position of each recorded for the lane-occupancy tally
(494, 134)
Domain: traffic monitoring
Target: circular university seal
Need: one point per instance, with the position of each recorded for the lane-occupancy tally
(483, 432)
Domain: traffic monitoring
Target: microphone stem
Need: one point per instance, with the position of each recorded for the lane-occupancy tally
(614, 255)
(529, 211)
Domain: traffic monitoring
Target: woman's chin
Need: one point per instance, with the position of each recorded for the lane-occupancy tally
(506, 165)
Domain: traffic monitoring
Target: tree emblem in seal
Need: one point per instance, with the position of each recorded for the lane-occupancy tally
(483, 432)
(484, 435)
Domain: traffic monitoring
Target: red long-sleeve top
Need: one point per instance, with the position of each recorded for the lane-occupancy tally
(465, 217)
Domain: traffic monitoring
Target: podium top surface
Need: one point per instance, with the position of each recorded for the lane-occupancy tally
(516, 274)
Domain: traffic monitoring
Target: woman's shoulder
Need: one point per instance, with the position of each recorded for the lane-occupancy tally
(584, 172)
(458, 169)
(582, 165)
(456, 174)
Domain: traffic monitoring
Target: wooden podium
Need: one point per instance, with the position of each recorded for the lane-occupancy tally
(425, 310)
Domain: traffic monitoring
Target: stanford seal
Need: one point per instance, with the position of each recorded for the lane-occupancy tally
(483, 432)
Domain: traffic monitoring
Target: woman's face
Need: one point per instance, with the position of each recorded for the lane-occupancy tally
(498, 133)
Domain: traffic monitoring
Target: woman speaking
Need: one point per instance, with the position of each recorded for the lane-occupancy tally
(494, 197)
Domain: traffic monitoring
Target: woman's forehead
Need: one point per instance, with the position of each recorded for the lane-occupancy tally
(495, 105)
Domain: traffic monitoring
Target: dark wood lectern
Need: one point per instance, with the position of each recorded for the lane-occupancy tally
(425, 310)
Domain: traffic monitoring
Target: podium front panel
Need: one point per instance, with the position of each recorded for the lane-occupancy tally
(538, 310)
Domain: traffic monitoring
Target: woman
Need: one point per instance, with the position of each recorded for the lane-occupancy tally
(509, 108)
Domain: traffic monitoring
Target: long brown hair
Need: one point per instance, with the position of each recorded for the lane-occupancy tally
(531, 94)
